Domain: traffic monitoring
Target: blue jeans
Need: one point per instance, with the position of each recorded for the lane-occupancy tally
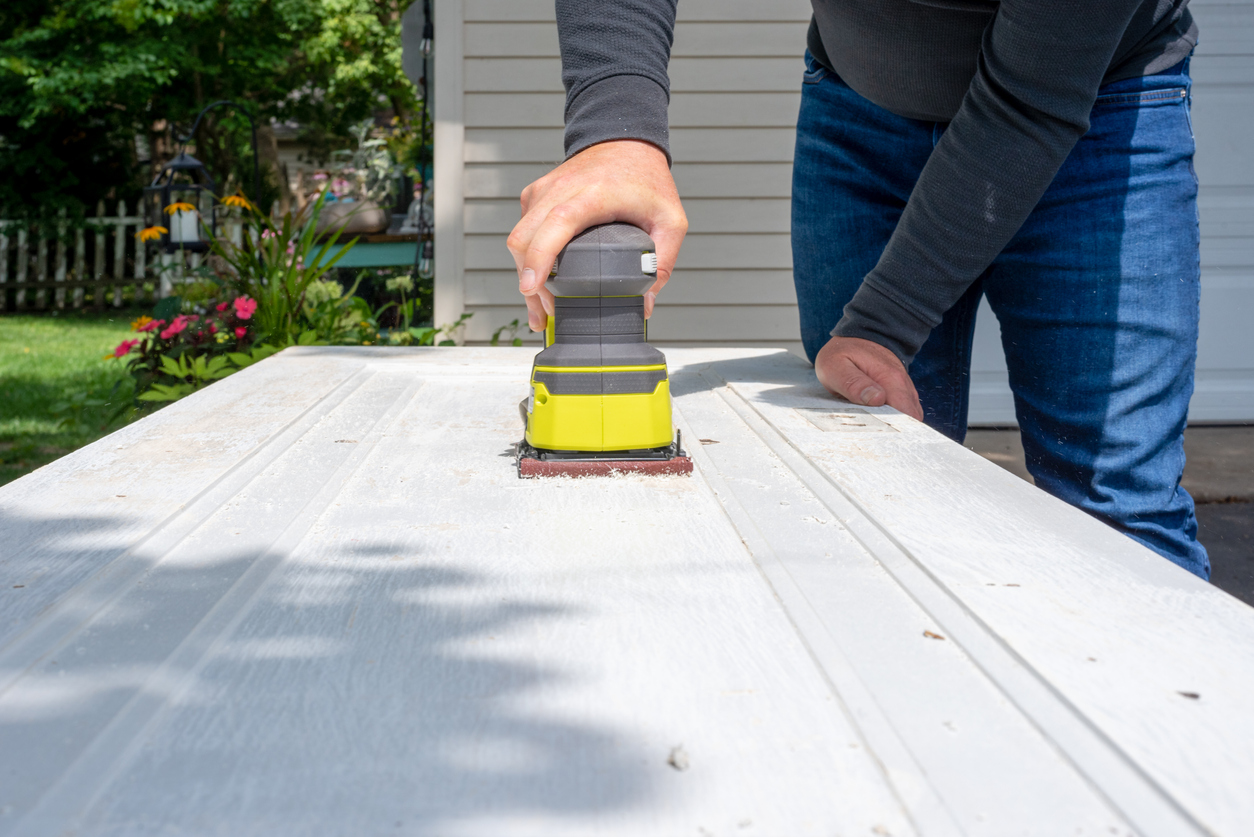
(1097, 295)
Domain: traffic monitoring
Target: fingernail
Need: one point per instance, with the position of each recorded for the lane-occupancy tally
(528, 280)
(650, 300)
(869, 393)
(547, 303)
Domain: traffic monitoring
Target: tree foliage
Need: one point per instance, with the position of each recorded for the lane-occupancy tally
(81, 80)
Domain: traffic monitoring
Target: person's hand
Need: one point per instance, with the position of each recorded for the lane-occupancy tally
(866, 373)
(622, 180)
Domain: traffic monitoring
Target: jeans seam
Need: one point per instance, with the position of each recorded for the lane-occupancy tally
(1144, 97)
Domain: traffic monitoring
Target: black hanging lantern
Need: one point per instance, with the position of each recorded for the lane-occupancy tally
(173, 202)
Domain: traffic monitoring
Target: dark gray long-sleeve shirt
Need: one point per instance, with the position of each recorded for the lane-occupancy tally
(1014, 79)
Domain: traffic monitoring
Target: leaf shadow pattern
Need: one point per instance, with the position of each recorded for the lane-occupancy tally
(351, 691)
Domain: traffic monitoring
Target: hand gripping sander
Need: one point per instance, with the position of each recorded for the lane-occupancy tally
(600, 399)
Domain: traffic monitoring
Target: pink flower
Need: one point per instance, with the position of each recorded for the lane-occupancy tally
(151, 325)
(222, 306)
(268, 234)
(180, 323)
(213, 329)
(125, 348)
(240, 331)
(244, 307)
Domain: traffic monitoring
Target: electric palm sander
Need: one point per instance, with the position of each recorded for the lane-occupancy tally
(600, 399)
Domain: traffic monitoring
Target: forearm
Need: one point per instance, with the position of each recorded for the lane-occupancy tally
(1026, 108)
(614, 59)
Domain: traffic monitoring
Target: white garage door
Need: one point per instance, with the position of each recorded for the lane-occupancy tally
(1223, 122)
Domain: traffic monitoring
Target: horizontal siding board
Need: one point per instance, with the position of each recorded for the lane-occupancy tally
(740, 39)
(694, 180)
(1227, 212)
(670, 323)
(1225, 339)
(722, 180)
(488, 318)
(518, 145)
(1225, 29)
(544, 75)
(511, 39)
(733, 145)
(687, 110)
(714, 145)
(735, 40)
(1221, 71)
(1228, 252)
(515, 110)
(501, 181)
(739, 109)
(696, 10)
(683, 323)
(736, 252)
(1222, 123)
(704, 215)
(686, 287)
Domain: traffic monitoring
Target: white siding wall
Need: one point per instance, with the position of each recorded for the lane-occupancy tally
(735, 79)
(1223, 123)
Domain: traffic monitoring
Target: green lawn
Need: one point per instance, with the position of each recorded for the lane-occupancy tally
(46, 360)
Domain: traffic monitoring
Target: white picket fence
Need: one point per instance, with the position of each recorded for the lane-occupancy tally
(40, 268)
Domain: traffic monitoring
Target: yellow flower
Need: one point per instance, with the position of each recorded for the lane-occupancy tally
(140, 322)
(237, 200)
(151, 233)
(179, 206)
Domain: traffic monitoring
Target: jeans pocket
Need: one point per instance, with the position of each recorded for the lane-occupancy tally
(815, 72)
(1138, 98)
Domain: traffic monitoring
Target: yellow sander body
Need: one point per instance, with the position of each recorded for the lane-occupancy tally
(600, 397)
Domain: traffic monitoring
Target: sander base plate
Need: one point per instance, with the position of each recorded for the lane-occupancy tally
(535, 462)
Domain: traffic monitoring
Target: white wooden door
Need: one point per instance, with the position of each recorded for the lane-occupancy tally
(315, 598)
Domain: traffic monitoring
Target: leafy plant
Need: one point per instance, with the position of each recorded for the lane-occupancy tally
(277, 265)
(454, 330)
(76, 410)
(88, 86)
(191, 375)
(368, 172)
(164, 356)
(512, 329)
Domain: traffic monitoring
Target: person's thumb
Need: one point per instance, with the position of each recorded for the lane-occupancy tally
(846, 379)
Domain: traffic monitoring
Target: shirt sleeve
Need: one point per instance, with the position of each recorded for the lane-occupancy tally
(1040, 65)
(614, 59)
